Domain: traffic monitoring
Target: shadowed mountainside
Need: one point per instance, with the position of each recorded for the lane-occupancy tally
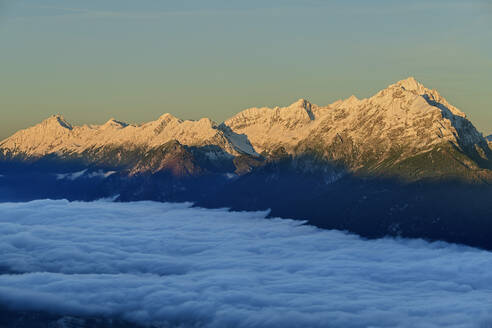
(403, 162)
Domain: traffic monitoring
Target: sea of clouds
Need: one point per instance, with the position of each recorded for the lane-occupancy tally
(155, 263)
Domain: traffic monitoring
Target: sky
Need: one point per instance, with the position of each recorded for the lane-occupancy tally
(135, 60)
(152, 263)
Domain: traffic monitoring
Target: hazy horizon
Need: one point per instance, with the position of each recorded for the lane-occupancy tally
(137, 60)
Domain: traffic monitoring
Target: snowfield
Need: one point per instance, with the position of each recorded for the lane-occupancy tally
(172, 264)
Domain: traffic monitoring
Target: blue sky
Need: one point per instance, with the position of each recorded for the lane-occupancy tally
(134, 60)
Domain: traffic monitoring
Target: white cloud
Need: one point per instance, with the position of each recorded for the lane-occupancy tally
(100, 174)
(155, 262)
(70, 176)
(75, 175)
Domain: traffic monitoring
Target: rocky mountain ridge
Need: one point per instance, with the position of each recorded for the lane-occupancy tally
(56, 135)
(403, 162)
(405, 130)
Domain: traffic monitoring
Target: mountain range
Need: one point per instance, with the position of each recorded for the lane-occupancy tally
(402, 162)
(405, 130)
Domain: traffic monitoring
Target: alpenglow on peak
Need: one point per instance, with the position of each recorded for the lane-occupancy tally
(399, 122)
(57, 120)
(411, 83)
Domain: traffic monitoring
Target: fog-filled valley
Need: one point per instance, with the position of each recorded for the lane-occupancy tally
(175, 265)
(403, 162)
(245, 164)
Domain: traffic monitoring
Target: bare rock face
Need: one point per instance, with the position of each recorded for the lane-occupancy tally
(404, 130)
(171, 157)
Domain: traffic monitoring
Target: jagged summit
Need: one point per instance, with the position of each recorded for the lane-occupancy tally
(168, 117)
(55, 135)
(410, 90)
(411, 84)
(303, 105)
(300, 103)
(57, 120)
(402, 121)
(113, 123)
(351, 101)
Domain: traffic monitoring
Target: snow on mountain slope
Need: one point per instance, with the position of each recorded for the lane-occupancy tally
(56, 136)
(271, 127)
(406, 127)
(405, 117)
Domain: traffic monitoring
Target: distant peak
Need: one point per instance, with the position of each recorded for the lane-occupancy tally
(114, 123)
(57, 120)
(409, 79)
(54, 118)
(207, 121)
(167, 117)
(352, 100)
(410, 84)
(304, 104)
(301, 102)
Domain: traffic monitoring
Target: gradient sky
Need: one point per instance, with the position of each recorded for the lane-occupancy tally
(135, 60)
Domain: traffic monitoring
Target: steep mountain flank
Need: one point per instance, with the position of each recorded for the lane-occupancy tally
(405, 130)
(56, 136)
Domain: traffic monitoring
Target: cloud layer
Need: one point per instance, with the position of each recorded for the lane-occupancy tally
(170, 263)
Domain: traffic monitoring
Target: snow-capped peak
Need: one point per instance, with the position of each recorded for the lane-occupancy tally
(57, 121)
(411, 84)
(167, 117)
(407, 89)
(56, 135)
(300, 103)
(406, 114)
(113, 123)
(303, 105)
(351, 101)
(408, 85)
